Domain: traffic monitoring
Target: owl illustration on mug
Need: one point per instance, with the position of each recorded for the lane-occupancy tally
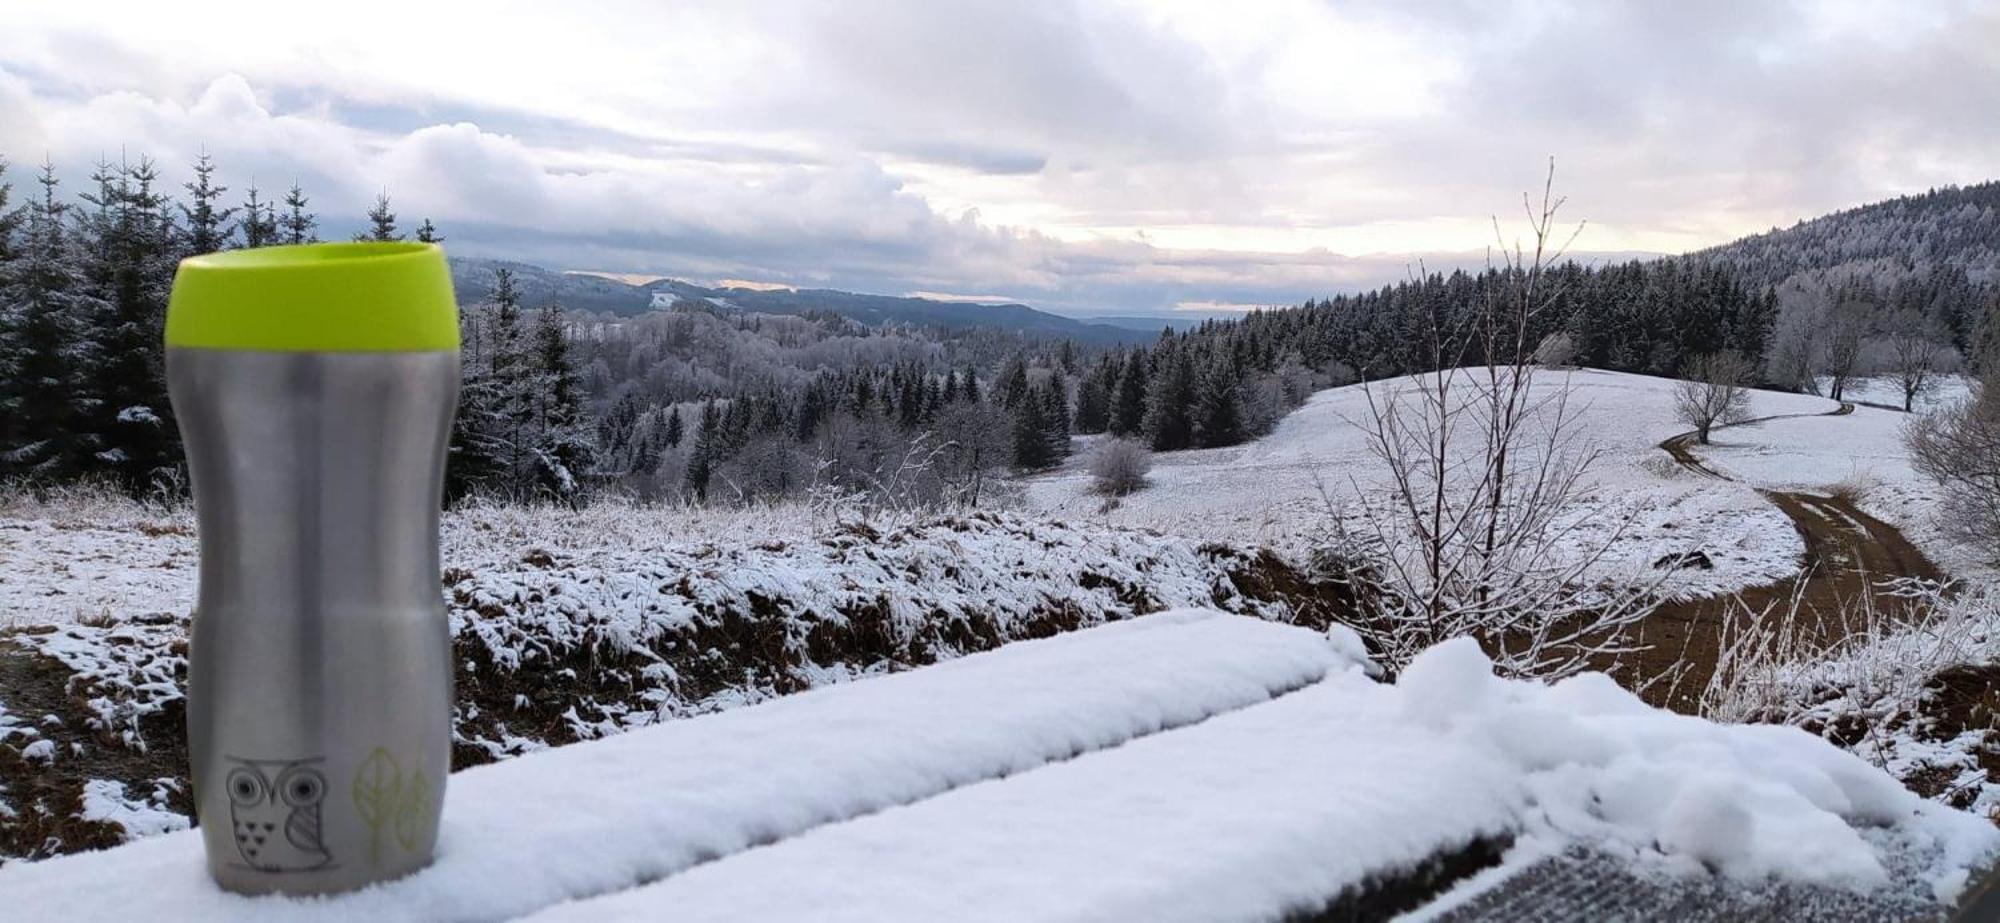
(274, 806)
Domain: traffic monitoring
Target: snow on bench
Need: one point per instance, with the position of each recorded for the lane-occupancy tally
(597, 817)
(1279, 808)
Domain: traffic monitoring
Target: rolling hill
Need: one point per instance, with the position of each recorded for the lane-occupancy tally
(474, 280)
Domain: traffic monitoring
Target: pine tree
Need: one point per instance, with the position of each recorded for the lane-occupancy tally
(1093, 398)
(1031, 431)
(478, 454)
(1128, 401)
(208, 228)
(296, 225)
(381, 222)
(44, 352)
(427, 233)
(1218, 410)
(1169, 425)
(132, 250)
(514, 404)
(674, 426)
(701, 460)
(1012, 385)
(1055, 419)
(563, 449)
(259, 225)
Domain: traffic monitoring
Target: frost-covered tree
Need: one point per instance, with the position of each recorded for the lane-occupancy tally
(1713, 391)
(45, 353)
(1959, 448)
(1484, 462)
(130, 247)
(1915, 350)
(563, 449)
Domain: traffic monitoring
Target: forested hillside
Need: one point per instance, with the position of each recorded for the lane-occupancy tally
(1950, 231)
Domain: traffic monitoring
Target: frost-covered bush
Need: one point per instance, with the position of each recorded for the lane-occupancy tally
(1119, 467)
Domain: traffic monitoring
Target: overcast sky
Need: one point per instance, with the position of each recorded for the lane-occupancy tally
(1089, 157)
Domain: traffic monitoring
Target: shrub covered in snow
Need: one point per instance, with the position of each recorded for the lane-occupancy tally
(1118, 467)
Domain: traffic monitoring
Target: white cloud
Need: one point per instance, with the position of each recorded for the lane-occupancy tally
(1113, 156)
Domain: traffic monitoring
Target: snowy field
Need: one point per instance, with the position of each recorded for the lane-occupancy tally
(951, 793)
(1269, 491)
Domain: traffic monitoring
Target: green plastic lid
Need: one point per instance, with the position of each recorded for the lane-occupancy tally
(359, 297)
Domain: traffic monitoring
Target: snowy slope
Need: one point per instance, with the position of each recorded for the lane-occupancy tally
(599, 816)
(1269, 490)
(1281, 807)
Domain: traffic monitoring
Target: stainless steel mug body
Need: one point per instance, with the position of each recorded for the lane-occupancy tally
(319, 694)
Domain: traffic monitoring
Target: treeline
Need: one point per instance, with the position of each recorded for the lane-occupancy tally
(83, 296)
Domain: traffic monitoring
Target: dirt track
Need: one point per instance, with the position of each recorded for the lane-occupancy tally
(1848, 554)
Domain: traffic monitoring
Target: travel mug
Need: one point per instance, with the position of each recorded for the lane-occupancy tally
(315, 387)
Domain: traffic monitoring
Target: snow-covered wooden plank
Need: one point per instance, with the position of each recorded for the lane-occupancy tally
(1280, 808)
(606, 815)
(1247, 816)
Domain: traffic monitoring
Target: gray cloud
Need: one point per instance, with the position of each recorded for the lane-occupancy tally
(1089, 157)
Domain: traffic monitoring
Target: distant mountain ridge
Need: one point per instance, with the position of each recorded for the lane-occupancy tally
(475, 278)
(1951, 228)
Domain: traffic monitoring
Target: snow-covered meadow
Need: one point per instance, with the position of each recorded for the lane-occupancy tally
(1275, 489)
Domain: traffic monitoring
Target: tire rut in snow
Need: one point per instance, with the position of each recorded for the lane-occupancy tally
(1849, 556)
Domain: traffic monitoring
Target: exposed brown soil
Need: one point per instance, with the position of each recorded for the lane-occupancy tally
(1848, 555)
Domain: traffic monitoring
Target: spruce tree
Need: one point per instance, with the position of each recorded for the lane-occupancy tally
(428, 233)
(1218, 410)
(701, 460)
(381, 222)
(1093, 399)
(208, 228)
(1012, 385)
(130, 239)
(564, 452)
(514, 402)
(259, 225)
(296, 225)
(1031, 431)
(1055, 419)
(478, 454)
(1128, 402)
(1169, 425)
(44, 350)
(674, 426)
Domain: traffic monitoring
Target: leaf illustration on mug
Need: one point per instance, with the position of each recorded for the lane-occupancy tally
(377, 785)
(412, 809)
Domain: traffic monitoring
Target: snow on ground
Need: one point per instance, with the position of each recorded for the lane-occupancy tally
(951, 793)
(600, 816)
(1860, 452)
(1268, 491)
(1275, 810)
(95, 557)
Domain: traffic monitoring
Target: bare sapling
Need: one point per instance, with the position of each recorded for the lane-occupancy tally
(1712, 393)
(1476, 526)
